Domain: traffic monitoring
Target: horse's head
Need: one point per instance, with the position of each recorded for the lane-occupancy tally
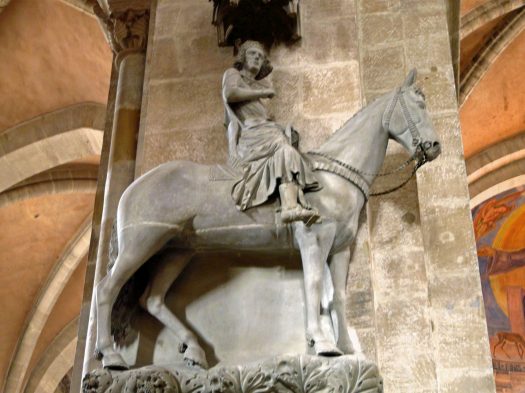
(407, 121)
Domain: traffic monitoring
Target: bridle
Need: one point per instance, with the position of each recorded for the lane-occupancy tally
(419, 156)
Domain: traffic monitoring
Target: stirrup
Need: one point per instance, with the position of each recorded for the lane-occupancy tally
(299, 213)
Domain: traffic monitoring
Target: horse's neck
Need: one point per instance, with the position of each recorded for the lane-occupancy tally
(361, 142)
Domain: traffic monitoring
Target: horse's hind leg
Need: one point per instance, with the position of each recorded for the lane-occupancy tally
(136, 245)
(165, 273)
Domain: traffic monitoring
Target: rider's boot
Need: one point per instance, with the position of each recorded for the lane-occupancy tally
(291, 210)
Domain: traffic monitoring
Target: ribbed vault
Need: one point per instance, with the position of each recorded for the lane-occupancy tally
(485, 13)
(54, 75)
(496, 44)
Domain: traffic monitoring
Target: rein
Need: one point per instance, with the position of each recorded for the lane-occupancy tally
(419, 155)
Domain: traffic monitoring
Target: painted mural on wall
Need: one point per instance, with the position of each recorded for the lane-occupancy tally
(499, 226)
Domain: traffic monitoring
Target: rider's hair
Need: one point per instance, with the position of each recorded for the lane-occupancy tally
(266, 67)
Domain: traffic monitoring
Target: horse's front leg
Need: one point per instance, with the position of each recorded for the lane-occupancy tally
(339, 263)
(314, 245)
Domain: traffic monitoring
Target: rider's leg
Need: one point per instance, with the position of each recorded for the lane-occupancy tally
(291, 208)
(165, 273)
(302, 200)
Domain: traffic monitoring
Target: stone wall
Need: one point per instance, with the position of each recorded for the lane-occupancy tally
(431, 335)
(317, 84)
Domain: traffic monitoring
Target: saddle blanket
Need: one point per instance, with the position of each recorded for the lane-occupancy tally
(221, 172)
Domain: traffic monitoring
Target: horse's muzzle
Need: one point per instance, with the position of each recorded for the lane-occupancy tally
(431, 149)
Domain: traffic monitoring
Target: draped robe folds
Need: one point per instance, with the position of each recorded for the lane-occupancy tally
(266, 155)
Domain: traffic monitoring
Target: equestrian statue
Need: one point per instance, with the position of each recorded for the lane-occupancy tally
(321, 194)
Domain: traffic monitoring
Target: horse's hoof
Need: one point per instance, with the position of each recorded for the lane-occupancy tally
(346, 347)
(97, 354)
(326, 348)
(114, 361)
(195, 356)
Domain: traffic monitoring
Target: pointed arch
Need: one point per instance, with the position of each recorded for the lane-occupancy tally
(72, 256)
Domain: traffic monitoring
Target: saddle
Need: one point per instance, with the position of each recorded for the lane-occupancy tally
(224, 172)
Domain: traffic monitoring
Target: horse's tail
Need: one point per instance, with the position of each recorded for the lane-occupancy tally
(126, 305)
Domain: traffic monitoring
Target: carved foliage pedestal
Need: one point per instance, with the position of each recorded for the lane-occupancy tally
(283, 374)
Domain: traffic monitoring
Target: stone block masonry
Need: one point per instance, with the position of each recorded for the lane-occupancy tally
(431, 334)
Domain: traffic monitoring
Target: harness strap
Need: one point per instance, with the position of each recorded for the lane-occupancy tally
(328, 165)
(411, 125)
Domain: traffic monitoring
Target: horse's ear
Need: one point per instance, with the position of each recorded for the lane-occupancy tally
(411, 78)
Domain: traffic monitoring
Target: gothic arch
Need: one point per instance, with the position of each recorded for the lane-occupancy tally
(58, 278)
(50, 140)
(65, 186)
(56, 361)
(489, 55)
(70, 180)
(496, 164)
(485, 13)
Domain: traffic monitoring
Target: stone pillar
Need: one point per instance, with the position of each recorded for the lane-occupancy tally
(127, 28)
(85, 309)
(431, 334)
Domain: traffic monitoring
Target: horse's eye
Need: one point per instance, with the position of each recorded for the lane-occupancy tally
(421, 104)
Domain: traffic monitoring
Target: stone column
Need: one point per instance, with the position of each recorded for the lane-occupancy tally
(431, 334)
(127, 28)
(95, 232)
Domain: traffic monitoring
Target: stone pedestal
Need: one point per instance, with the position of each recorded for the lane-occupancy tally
(294, 374)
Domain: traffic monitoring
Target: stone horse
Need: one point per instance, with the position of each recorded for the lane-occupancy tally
(175, 202)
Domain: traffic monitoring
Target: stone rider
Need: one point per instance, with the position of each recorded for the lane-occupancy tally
(259, 145)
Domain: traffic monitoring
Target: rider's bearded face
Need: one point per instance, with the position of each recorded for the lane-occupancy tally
(253, 60)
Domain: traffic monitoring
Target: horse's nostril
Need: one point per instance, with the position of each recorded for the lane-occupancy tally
(427, 145)
(436, 144)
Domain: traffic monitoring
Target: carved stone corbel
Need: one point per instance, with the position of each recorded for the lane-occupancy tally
(126, 30)
(266, 21)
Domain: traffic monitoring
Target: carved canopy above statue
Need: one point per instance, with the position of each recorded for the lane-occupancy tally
(266, 21)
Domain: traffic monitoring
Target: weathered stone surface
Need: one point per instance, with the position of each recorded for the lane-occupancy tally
(383, 67)
(172, 103)
(339, 32)
(329, 90)
(430, 269)
(439, 89)
(328, 9)
(381, 28)
(181, 145)
(294, 374)
(367, 7)
(428, 50)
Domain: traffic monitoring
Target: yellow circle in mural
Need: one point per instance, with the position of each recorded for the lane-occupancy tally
(510, 237)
